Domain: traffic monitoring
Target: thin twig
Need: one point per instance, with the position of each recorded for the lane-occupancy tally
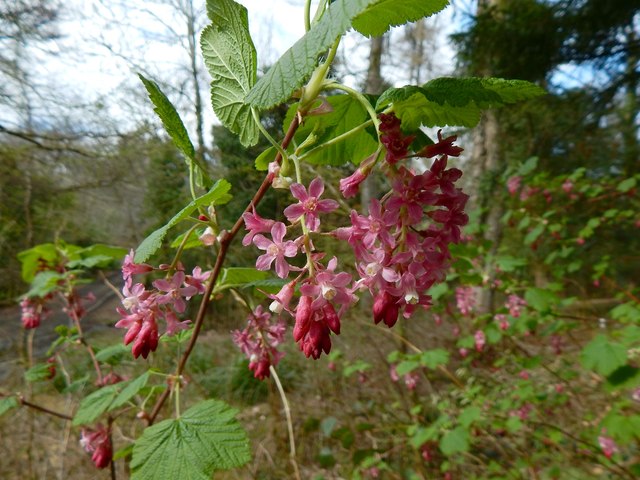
(287, 414)
(40, 408)
(225, 241)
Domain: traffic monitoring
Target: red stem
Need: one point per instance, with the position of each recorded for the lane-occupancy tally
(225, 241)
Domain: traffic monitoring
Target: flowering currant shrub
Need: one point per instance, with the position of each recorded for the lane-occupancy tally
(485, 392)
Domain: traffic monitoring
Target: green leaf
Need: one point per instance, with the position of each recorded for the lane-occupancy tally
(265, 158)
(347, 114)
(207, 437)
(38, 373)
(603, 356)
(295, 66)
(94, 405)
(218, 195)
(540, 299)
(112, 353)
(234, 277)
(434, 358)
(407, 366)
(626, 185)
(414, 109)
(31, 259)
(173, 125)
(384, 14)
(469, 415)
(454, 101)
(507, 263)
(230, 57)
(7, 404)
(533, 235)
(129, 391)
(455, 441)
(529, 166)
(44, 283)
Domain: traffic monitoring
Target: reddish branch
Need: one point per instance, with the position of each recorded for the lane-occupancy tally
(225, 242)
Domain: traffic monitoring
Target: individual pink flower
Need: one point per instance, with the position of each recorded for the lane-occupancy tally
(635, 395)
(208, 237)
(567, 186)
(255, 224)
(386, 308)
(275, 250)
(197, 279)
(514, 304)
(411, 380)
(607, 444)
(480, 340)
(130, 268)
(463, 352)
(97, 442)
(282, 299)
(309, 204)
(175, 292)
(349, 186)
(465, 300)
(513, 184)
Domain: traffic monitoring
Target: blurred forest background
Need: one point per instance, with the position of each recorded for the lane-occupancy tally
(553, 182)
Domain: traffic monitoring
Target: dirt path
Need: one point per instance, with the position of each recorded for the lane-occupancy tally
(101, 315)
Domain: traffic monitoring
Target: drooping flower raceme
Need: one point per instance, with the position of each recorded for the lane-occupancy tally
(97, 442)
(259, 341)
(143, 308)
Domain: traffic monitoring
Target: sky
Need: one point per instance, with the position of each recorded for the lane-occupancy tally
(103, 43)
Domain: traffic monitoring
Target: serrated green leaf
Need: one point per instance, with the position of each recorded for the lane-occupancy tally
(174, 127)
(455, 441)
(507, 263)
(414, 109)
(347, 114)
(207, 437)
(94, 405)
(7, 404)
(296, 65)
(44, 283)
(230, 57)
(533, 235)
(384, 14)
(603, 356)
(218, 195)
(129, 391)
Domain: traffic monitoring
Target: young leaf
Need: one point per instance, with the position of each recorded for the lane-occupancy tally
(94, 405)
(230, 57)
(296, 64)
(173, 125)
(7, 404)
(31, 258)
(347, 114)
(129, 391)
(381, 15)
(218, 195)
(207, 437)
(38, 372)
(603, 356)
(44, 283)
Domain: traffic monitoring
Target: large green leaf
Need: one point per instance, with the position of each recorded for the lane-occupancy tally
(384, 14)
(347, 114)
(94, 405)
(218, 195)
(207, 437)
(174, 126)
(454, 101)
(296, 65)
(230, 57)
(603, 356)
(31, 259)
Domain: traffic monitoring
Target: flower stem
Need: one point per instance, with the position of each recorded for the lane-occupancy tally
(287, 414)
(361, 98)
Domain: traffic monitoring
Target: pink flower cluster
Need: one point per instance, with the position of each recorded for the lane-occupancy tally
(465, 300)
(401, 246)
(607, 444)
(98, 443)
(33, 310)
(259, 341)
(143, 308)
(514, 304)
